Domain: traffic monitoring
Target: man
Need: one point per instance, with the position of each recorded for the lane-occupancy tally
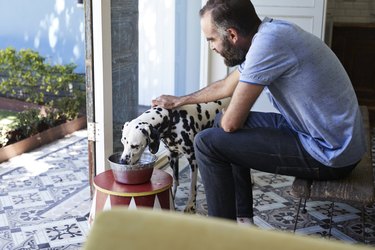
(318, 133)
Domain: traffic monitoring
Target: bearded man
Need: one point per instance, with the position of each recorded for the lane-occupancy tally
(318, 133)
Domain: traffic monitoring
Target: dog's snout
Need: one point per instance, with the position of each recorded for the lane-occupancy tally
(125, 159)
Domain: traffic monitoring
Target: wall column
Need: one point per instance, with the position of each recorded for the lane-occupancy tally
(124, 27)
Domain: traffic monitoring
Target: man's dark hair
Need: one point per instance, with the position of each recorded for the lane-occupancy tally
(237, 14)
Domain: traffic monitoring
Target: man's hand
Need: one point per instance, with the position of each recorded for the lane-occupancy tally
(166, 101)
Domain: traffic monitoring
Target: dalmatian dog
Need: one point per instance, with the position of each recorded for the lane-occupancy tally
(176, 128)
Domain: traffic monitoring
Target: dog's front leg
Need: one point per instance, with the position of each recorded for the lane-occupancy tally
(191, 204)
(173, 161)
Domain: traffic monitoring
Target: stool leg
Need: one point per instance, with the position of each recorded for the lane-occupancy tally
(363, 224)
(297, 215)
(331, 219)
(304, 210)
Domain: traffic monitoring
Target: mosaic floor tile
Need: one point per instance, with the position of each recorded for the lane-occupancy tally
(45, 197)
(45, 201)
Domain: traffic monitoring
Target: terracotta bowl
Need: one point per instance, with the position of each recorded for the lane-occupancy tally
(138, 173)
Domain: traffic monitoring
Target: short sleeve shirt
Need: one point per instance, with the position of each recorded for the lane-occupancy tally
(310, 88)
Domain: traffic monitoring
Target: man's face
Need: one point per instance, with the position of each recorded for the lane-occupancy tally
(232, 54)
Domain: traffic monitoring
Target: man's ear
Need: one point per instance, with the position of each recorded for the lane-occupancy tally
(232, 35)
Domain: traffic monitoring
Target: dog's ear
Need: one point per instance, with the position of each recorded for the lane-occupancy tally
(153, 139)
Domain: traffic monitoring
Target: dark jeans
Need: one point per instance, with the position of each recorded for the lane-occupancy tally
(266, 143)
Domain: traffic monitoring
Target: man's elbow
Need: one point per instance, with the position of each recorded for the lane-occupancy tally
(229, 127)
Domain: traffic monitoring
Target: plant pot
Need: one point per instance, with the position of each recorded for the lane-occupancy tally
(42, 138)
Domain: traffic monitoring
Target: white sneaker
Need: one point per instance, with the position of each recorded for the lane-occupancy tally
(245, 221)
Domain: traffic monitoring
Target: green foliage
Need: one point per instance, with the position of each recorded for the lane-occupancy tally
(28, 122)
(55, 86)
(25, 73)
(7, 121)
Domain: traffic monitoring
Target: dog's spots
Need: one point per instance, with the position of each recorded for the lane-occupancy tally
(192, 122)
(142, 123)
(145, 132)
(186, 138)
(197, 125)
(188, 150)
(159, 112)
(180, 114)
(186, 124)
(199, 108)
(208, 116)
(207, 125)
(163, 125)
(177, 128)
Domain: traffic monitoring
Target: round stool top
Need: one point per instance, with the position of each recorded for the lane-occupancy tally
(160, 181)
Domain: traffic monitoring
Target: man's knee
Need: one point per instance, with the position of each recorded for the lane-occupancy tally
(203, 140)
(198, 140)
(209, 140)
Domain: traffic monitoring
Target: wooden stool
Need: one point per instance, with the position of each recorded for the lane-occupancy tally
(108, 193)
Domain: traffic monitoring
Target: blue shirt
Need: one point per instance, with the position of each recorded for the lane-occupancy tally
(310, 88)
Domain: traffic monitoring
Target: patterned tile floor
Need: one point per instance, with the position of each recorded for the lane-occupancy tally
(275, 208)
(45, 197)
(45, 201)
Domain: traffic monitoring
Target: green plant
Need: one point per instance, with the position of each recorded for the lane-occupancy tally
(26, 74)
(26, 125)
(8, 120)
(28, 122)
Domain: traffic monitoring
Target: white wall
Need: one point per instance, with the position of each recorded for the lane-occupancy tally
(169, 48)
(54, 28)
(156, 49)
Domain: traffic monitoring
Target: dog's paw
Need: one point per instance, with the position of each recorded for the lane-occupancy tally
(189, 210)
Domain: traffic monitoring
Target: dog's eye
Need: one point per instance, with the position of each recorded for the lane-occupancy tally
(134, 146)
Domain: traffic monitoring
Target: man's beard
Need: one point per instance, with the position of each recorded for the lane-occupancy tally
(232, 55)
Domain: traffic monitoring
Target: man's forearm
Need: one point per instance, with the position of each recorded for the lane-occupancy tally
(210, 93)
(217, 90)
